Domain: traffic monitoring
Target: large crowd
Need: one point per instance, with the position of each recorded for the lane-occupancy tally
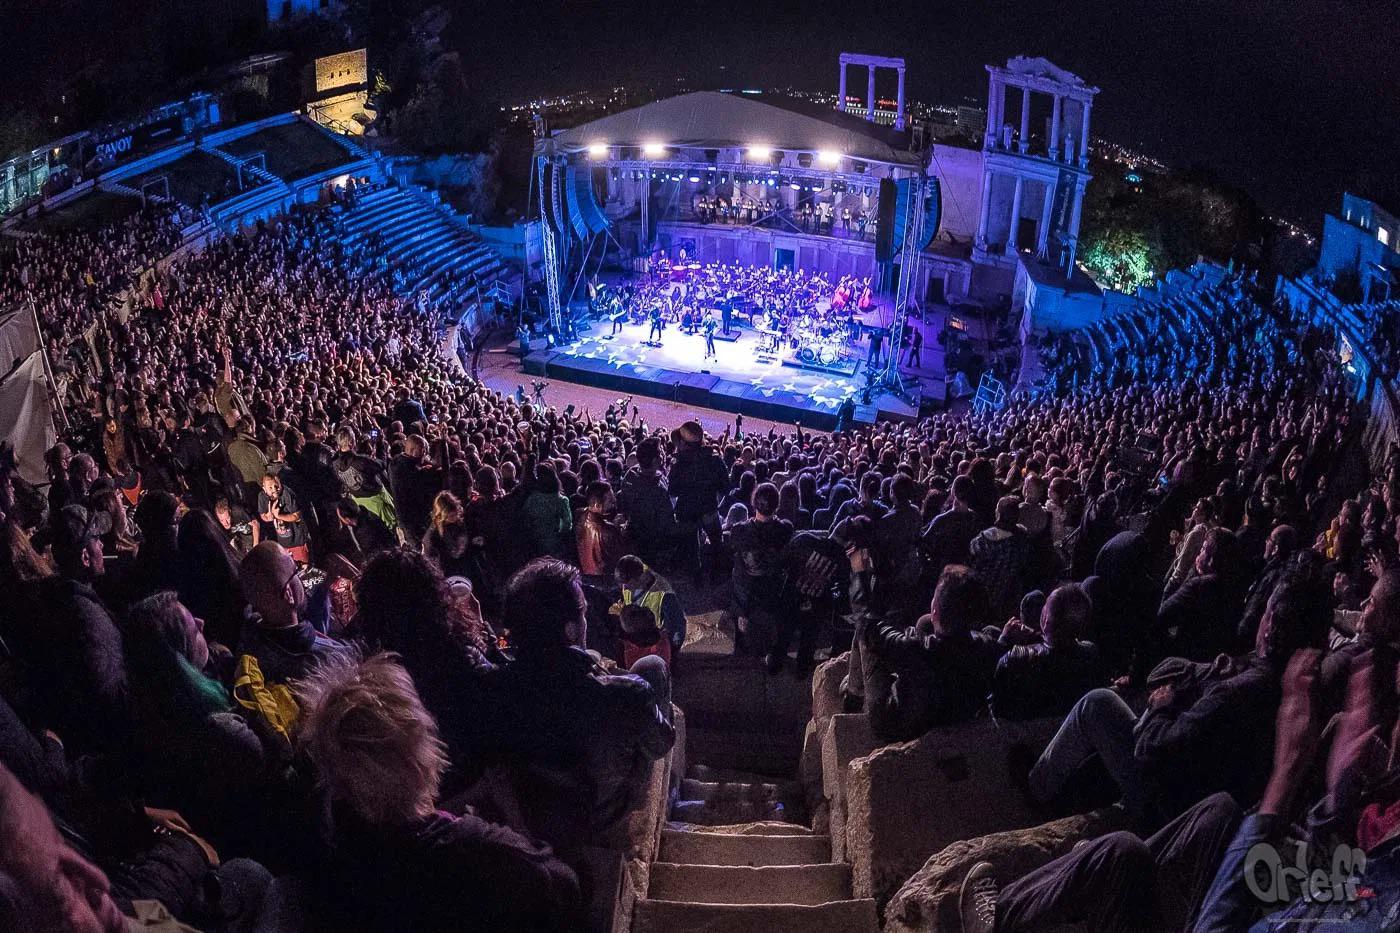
(307, 628)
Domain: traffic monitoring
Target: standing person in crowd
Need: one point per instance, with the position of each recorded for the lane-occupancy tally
(281, 518)
(361, 476)
(600, 538)
(645, 501)
(414, 481)
(547, 514)
(696, 481)
(757, 579)
(1000, 556)
(447, 539)
(948, 538)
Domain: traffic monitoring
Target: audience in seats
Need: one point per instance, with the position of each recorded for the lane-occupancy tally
(272, 479)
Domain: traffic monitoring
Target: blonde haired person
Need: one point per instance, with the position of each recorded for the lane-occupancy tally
(399, 862)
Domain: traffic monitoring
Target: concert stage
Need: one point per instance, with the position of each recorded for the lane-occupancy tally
(736, 380)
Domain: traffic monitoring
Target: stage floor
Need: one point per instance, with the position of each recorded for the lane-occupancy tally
(735, 380)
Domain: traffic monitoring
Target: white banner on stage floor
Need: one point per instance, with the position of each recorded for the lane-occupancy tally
(26, 420)
(17, 338)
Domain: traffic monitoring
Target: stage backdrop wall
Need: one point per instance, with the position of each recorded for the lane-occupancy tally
(759, 247)
(960, 173)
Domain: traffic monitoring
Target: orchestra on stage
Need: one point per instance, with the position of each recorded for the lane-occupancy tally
(805, 314)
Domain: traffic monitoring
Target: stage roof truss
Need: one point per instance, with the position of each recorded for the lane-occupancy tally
(686, 169)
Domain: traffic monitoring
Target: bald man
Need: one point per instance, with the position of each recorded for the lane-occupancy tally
(286, 646)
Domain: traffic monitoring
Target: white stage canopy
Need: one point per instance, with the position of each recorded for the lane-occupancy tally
(715, 120)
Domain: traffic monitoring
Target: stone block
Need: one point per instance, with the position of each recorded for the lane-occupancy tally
(826, 702)
(809, 766)
(640, 841)
(826, 687)
(928, 902)
(848, 737)
(906, 801)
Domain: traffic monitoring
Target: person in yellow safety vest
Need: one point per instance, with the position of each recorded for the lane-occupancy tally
(645, 587)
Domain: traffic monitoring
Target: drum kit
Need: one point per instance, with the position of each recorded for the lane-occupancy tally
(822, 354)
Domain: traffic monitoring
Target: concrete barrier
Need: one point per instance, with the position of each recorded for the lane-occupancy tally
(928, 902)
(904, 802)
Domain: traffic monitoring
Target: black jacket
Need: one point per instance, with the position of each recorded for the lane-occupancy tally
(1034, 681)
(443, 872)
(290, 653)
(1217, 734)
(75, 669)
(414, 487)
(697, 480)
(579, 742)
(939, 681)
(1198, 620)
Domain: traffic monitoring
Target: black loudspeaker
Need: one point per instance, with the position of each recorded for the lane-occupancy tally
(884, 234)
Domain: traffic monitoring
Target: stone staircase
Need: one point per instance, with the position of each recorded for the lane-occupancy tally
(735, 859)
(418, 236)
(342, 138)
(258, 174)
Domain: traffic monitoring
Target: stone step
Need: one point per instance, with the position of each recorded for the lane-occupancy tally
(719, 848)
(716, 791)
(834, 917)
(712, 774)
(717, 812)
(758, 828)
(742, 884)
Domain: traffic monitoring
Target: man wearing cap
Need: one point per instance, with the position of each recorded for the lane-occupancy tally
(74, 662)
(697, 480)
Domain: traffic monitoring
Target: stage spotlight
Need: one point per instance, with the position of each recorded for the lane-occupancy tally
(695, 179)
(653, 150)
(828, 157)
(598, 151)
(760, 152)
(795, 186)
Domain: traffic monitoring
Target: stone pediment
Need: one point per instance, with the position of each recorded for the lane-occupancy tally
(1041, 67)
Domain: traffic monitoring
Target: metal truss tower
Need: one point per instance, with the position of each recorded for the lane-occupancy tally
(910, 260)
(551, 245)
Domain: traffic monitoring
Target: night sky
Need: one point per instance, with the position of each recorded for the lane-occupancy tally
(1292, 100)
